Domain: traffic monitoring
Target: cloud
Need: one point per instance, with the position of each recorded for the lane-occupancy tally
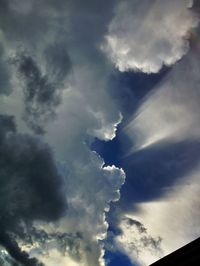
(175, 215)
(6, 260)
(59, 85)
(135, 241)
(31, 187)
(58, 81)
(168, 117)
(163, 114)
(146, 35)
(33, 177)
(90, 185)
(41, 66)
(13, 249)
(5, 86)
(42, 93)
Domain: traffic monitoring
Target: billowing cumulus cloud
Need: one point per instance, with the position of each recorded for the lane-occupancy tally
(167, 117)
(145, 35)
(55, 190)
(59, 82)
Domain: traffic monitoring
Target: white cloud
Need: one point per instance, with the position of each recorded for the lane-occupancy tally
(90, 185)
(174, 218)
(170, 112)
(54, 258)
(145, 35)
(137, 243)
(87, 110)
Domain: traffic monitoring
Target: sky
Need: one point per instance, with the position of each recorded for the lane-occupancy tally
(99, 131)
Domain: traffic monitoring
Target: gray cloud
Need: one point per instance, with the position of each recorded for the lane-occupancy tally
(42, 92)
(5, 86)
(20, 256)
(31, 187)
(42, 64)
(56, 46)
(60, 73)
(58, 63)
(6, 259)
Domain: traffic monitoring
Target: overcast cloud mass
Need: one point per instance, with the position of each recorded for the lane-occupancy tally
(62, 66)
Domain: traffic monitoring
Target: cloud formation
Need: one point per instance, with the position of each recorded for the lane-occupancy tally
(175, 215)
(168, 118)
(20, 256)
(171, 110)
(31, 187)
(59, 81)
(137, 243)
(42, 93)
(142, 35)
(41, 66)
(55, 80)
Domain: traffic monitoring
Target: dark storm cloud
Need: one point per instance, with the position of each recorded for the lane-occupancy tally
(31, 187)
(5, 86)
(42, 93)
(66, 33)
(58, 62)
(20, 256)
(55, 37)
(25, 27)
(29, 170)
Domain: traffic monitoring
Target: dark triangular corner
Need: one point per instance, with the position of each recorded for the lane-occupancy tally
(188, 255)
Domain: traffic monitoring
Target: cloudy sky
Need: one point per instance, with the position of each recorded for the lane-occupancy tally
(99, 131)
